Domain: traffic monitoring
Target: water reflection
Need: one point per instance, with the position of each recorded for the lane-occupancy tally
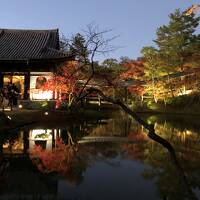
(118, 153)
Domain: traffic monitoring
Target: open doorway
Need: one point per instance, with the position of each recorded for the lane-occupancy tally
(18, 80)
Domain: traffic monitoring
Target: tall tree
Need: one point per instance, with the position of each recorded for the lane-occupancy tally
(152, 69)
(65, 82)
(177, 41)
(85, 47)
(177, 49)
(110, 62)
(134, 71)
(78, 48)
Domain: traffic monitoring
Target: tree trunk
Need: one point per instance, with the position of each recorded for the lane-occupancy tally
(170, 86)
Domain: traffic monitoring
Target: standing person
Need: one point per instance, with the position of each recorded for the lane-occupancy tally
(5, 98)
(12, 94)
(15, 94)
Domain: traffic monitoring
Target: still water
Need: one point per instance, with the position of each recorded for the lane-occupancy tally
(100, 159)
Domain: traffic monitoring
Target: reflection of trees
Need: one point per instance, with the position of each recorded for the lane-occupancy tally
(190, 122)
(175, 181)
(11, 139)
(186, 192)
(63, 159)
(118, 125)
(71, 161)
(136, 151)
(186, 143)
(182, 139)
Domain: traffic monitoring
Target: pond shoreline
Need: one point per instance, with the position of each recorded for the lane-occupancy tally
(22, 117)
(17, 119)
(168, 113)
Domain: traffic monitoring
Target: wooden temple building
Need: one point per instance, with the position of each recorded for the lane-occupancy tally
(28, 58)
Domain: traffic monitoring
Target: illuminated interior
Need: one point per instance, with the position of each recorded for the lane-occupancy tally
(17, 80)
(36, 90)
(36, 94)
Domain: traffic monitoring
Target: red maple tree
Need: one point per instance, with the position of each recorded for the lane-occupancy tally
(134, 69)
(65, 82)
(134, 72)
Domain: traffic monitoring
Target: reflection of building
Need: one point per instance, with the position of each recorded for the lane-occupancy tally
(26, 59)
(21, 172)
(41, 137)
(26, 140)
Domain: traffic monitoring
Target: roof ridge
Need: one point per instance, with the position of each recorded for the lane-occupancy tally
(29, 30)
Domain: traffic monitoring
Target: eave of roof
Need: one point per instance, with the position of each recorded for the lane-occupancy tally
(29, 45)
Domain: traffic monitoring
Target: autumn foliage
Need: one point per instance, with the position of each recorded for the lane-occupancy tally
(134, 71)
(65, 79)
(60, 159)
(65, 82)
(67, 160)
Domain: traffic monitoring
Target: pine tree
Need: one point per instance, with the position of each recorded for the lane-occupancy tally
(78, 48)
(177, 41)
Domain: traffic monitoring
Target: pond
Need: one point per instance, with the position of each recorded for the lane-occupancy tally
(110, 158)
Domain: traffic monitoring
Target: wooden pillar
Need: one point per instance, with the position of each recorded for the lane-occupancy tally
(26, 141)
(27, 85)
(53, 138)
(1, 79)
(1, 147)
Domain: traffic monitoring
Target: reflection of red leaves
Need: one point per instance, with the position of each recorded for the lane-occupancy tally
(137, 136)
(59, 159)
(69, 161)
(134, 151)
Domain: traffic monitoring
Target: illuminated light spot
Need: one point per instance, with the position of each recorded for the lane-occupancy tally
(20, 106)
(9, 117)
(37, 134)
(46, 113)
(188, 132)
(185, 92)
(7, 109)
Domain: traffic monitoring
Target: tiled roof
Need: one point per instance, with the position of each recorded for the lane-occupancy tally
(29, 44)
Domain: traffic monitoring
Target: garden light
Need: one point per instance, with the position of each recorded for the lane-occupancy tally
(9, 117)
